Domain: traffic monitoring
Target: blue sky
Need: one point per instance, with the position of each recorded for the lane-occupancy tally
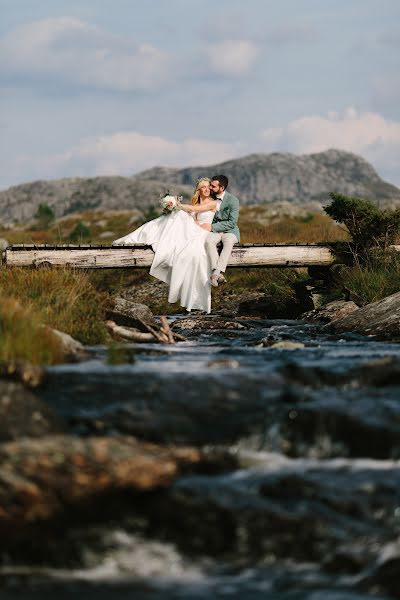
(94, 87)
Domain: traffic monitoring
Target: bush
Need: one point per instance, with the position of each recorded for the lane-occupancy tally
(368, 225)
(44, 216)
(79, 233)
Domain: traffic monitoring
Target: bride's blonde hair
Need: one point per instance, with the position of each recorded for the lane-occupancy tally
(196, 195)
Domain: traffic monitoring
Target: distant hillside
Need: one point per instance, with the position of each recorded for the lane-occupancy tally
(65, 196)
(281, 177)
(296, 181)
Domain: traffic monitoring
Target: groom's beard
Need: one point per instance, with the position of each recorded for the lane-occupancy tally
(213, 195)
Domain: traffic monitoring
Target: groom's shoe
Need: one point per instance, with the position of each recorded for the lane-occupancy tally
(214, 280)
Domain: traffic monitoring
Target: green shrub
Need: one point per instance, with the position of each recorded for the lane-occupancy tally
(369, 226)
(79, 233)
(44, 216)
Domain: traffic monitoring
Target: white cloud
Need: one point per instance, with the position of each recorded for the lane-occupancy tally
(121, 153)
(366, 133)
(69, 51)
(231, 57)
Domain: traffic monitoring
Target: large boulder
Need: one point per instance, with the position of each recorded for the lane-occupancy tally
(72, 350)
(338, 309)
(380, 319)
(128, 313)
(41, 480)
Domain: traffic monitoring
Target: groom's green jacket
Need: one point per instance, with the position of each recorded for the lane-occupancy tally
(226, 218)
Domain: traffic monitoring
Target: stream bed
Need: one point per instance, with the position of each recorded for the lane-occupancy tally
(312, 510)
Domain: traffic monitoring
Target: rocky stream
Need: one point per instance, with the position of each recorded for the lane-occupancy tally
(258, 459)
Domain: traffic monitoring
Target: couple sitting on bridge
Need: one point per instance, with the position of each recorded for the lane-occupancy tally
(185, 243)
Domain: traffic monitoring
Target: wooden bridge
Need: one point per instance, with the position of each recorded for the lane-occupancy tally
(139, 256)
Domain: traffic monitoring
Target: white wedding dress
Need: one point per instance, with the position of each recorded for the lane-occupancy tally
(180, 258)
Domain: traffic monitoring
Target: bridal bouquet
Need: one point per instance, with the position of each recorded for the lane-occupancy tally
(170, 203)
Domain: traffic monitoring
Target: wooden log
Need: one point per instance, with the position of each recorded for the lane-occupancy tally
(128, 333)
(290, 255)
(165, 328)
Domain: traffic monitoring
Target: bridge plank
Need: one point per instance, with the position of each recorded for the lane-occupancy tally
(98, 257)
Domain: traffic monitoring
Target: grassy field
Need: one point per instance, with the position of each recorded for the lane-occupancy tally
(258, 224)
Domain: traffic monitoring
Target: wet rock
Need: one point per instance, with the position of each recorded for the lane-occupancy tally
(267, 307)
(384, 574)
(128, 313)
(205, 323)
(335, 514)
(71, 348)
(284, 344)
(42, 479)
(380, 319)
(22, 414)
(331, 311)
(223, 364)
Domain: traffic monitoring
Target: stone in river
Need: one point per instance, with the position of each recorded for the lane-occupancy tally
(331, 311)
(380, 319)
(41, 480)
(22, 414)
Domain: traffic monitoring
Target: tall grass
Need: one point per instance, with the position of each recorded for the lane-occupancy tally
(61, 298)
(378, 278)
(23, 337)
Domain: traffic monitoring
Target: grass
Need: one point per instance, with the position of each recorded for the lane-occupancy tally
(375, 280)
(258, 224)
(23, 337)
(61, 298)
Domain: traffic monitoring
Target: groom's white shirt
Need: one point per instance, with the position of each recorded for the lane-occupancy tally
(219, 200)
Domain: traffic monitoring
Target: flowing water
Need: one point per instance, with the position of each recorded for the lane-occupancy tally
(311, 512)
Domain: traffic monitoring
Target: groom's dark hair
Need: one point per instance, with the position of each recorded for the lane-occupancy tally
(223, 180)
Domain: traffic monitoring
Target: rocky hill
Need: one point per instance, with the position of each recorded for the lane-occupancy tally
(65, 196)
(297, 181)
(279, 177)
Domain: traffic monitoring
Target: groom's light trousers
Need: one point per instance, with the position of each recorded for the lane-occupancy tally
(220, 261)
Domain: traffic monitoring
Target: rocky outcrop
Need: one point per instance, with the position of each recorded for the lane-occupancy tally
(338, 309)
(380, 319)
(302, 181)
(283, 176)
(64, 196)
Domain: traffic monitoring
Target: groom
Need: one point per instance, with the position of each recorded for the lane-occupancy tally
(223, 228)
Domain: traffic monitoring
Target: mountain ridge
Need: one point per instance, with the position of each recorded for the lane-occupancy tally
(299, 181)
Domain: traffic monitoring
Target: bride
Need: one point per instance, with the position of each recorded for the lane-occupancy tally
(178, 242)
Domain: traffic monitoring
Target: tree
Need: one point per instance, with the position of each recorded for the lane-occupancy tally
(44, 216)
(79, 233)
(368, 225)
